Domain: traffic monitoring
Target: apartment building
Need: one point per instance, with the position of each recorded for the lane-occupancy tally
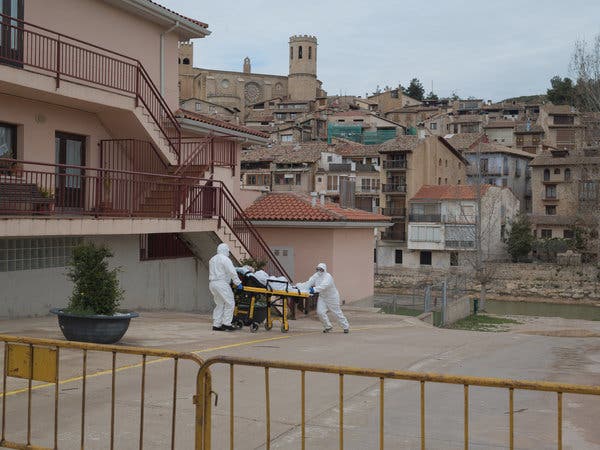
(565, 192)
(93, 147)
(498, 165)
(562, 126)
(408, 163)
(442, 225)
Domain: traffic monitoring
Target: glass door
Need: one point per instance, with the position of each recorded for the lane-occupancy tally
(11, 36)
(70, 181)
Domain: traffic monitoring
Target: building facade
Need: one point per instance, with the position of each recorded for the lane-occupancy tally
(240, 89)
(100, 152)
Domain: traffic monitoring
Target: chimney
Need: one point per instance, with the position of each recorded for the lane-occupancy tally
(313, 198)
(322, 198)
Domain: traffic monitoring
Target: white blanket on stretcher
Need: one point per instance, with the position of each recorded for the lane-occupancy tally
(277, 283)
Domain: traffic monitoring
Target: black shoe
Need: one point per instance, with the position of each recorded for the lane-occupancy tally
(346, 330)
(327, 330)
(218, 328)
(227, 328)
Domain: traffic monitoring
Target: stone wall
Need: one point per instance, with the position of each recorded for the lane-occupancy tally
(533, 282)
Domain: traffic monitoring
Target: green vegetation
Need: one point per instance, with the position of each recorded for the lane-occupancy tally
(401, 310)
(481, 322)
(520, 238)
(95, 288)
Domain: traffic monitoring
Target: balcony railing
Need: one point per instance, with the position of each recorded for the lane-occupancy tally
(393, 235)
(63, 57)
(460, 244)
(425, 218)
(394, 212)
(401, 164)
(364, 190)
(394, 188)
(42, 189)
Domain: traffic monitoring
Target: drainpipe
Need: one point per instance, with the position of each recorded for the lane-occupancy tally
(162, 57)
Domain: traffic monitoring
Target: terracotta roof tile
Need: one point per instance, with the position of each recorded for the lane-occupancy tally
(184, 113)
(309, 152)
(464, 141)
(449, 192)
(400, 143)
(494, 147)
(298, 207)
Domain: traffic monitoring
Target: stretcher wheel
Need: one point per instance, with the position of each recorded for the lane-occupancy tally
(268, 326)
(253, 327)
(238, 323)
(285, 328)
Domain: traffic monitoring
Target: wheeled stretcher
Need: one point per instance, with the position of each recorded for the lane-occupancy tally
(257, 305)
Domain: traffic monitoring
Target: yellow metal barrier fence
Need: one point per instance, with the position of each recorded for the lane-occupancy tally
(205, 420)
(38, 360)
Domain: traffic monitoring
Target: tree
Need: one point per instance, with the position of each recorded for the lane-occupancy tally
(454, 96)
(562, 92)
(520, 239)
(585, 64)
(432, 96)
(415, 89)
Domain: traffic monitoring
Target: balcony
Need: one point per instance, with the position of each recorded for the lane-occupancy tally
(394, 188)
(42, 190)
(394, 212)
(340, 167)
(395, 165)
(436, 218)
(393, 235)
(460, 244)
(366, 191)
(46, 60)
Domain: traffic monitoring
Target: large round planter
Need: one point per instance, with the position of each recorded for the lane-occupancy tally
(99, 329)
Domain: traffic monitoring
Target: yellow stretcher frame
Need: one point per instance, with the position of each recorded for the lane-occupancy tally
(275, 299)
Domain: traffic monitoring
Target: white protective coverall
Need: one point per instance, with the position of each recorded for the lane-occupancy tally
(329, 297)
(220, 273)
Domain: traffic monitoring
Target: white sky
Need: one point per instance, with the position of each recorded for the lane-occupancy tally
(488, 49)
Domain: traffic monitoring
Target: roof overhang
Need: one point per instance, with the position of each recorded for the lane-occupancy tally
(195, 126)
(187, 29)
(318, 224)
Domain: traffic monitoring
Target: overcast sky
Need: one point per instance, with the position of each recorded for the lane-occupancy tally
(487, 49)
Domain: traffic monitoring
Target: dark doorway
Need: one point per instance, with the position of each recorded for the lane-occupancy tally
(11, 32)
(70, 181)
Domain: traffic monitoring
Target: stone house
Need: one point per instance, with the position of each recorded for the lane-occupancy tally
(408, 163)
(442, 225)
(562, 126)
(564, 192)
(498, 165)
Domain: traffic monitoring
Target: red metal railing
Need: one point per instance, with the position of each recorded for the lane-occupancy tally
(64, 57)
(209, 151)
(58, 189)
(131, 155)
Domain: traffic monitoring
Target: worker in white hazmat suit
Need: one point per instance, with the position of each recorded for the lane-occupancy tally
(221, 272)
(329, 298)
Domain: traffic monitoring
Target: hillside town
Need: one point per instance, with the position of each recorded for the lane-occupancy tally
(168, 226)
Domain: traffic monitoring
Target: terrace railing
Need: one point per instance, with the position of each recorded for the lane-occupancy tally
(45, 189)
(63, 57)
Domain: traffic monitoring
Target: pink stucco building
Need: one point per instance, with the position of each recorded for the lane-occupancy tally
(303, 231)
(93, 147)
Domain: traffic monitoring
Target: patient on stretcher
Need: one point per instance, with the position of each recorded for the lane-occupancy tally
(262, 279)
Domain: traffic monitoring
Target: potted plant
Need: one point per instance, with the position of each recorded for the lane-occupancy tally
(92, 314)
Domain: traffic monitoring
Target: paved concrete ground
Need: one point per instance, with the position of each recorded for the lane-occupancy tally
(376, 340)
